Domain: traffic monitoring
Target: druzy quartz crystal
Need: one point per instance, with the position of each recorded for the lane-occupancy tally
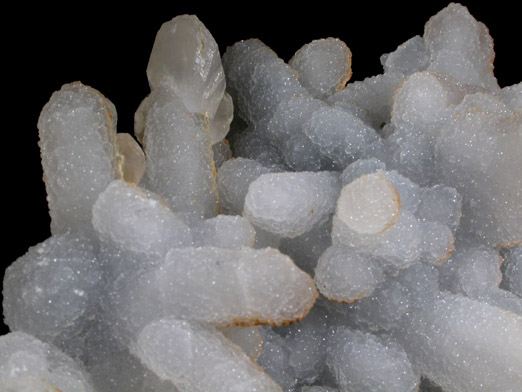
(272, 226)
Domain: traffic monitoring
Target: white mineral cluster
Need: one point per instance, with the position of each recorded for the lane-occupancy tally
(340, 238)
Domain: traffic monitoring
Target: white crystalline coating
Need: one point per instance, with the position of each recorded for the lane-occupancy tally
(186, 58)
(420, 102)
(224, 287)
(512, 97)
(360, 167)
(471, 270)
(409, 57)
(318, 389)
(369, 205)
(24, 357)
(26, 384)
(290, 204)
(323, 66)
(437, 242)
(221, 152)
(224, 231)
(343, 275)
(440, 204)
(252, 145)
(466, 346)
(475, 272)
(362, 362)
(513, 270)
(289, 117)
(275, 359)
(243, 286)
(399, 246)
(234, 178)
(79, 155)
(133, 165)
(478, 153)
(257, 79)
(370, 100)
(305, 343)
(248, 338)
(460, 47)
(220, 123)
(198, 358)
(136, 220)
(50, 291)
(409, 192)
(340, 135)
(179, 157)
(305, 249)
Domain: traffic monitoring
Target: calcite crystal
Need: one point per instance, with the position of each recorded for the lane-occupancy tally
(270, 227)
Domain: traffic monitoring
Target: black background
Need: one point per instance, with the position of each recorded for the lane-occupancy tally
(108, 47)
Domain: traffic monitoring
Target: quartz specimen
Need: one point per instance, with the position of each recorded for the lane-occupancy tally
(399, 193)
(81, 121)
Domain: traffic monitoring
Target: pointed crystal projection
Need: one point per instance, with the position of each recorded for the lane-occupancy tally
(79, 154)
(323, 66)
(26, 361)
(136, 220)
(133, 165)
(198, 358)
(179, 156)
(224, 287)
(186, 58)
(290, 204)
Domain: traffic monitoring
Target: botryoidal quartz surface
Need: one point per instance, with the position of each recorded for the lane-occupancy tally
(272, 227)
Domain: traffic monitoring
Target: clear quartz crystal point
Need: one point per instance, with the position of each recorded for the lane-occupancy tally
(186, 58)
(79, 154)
